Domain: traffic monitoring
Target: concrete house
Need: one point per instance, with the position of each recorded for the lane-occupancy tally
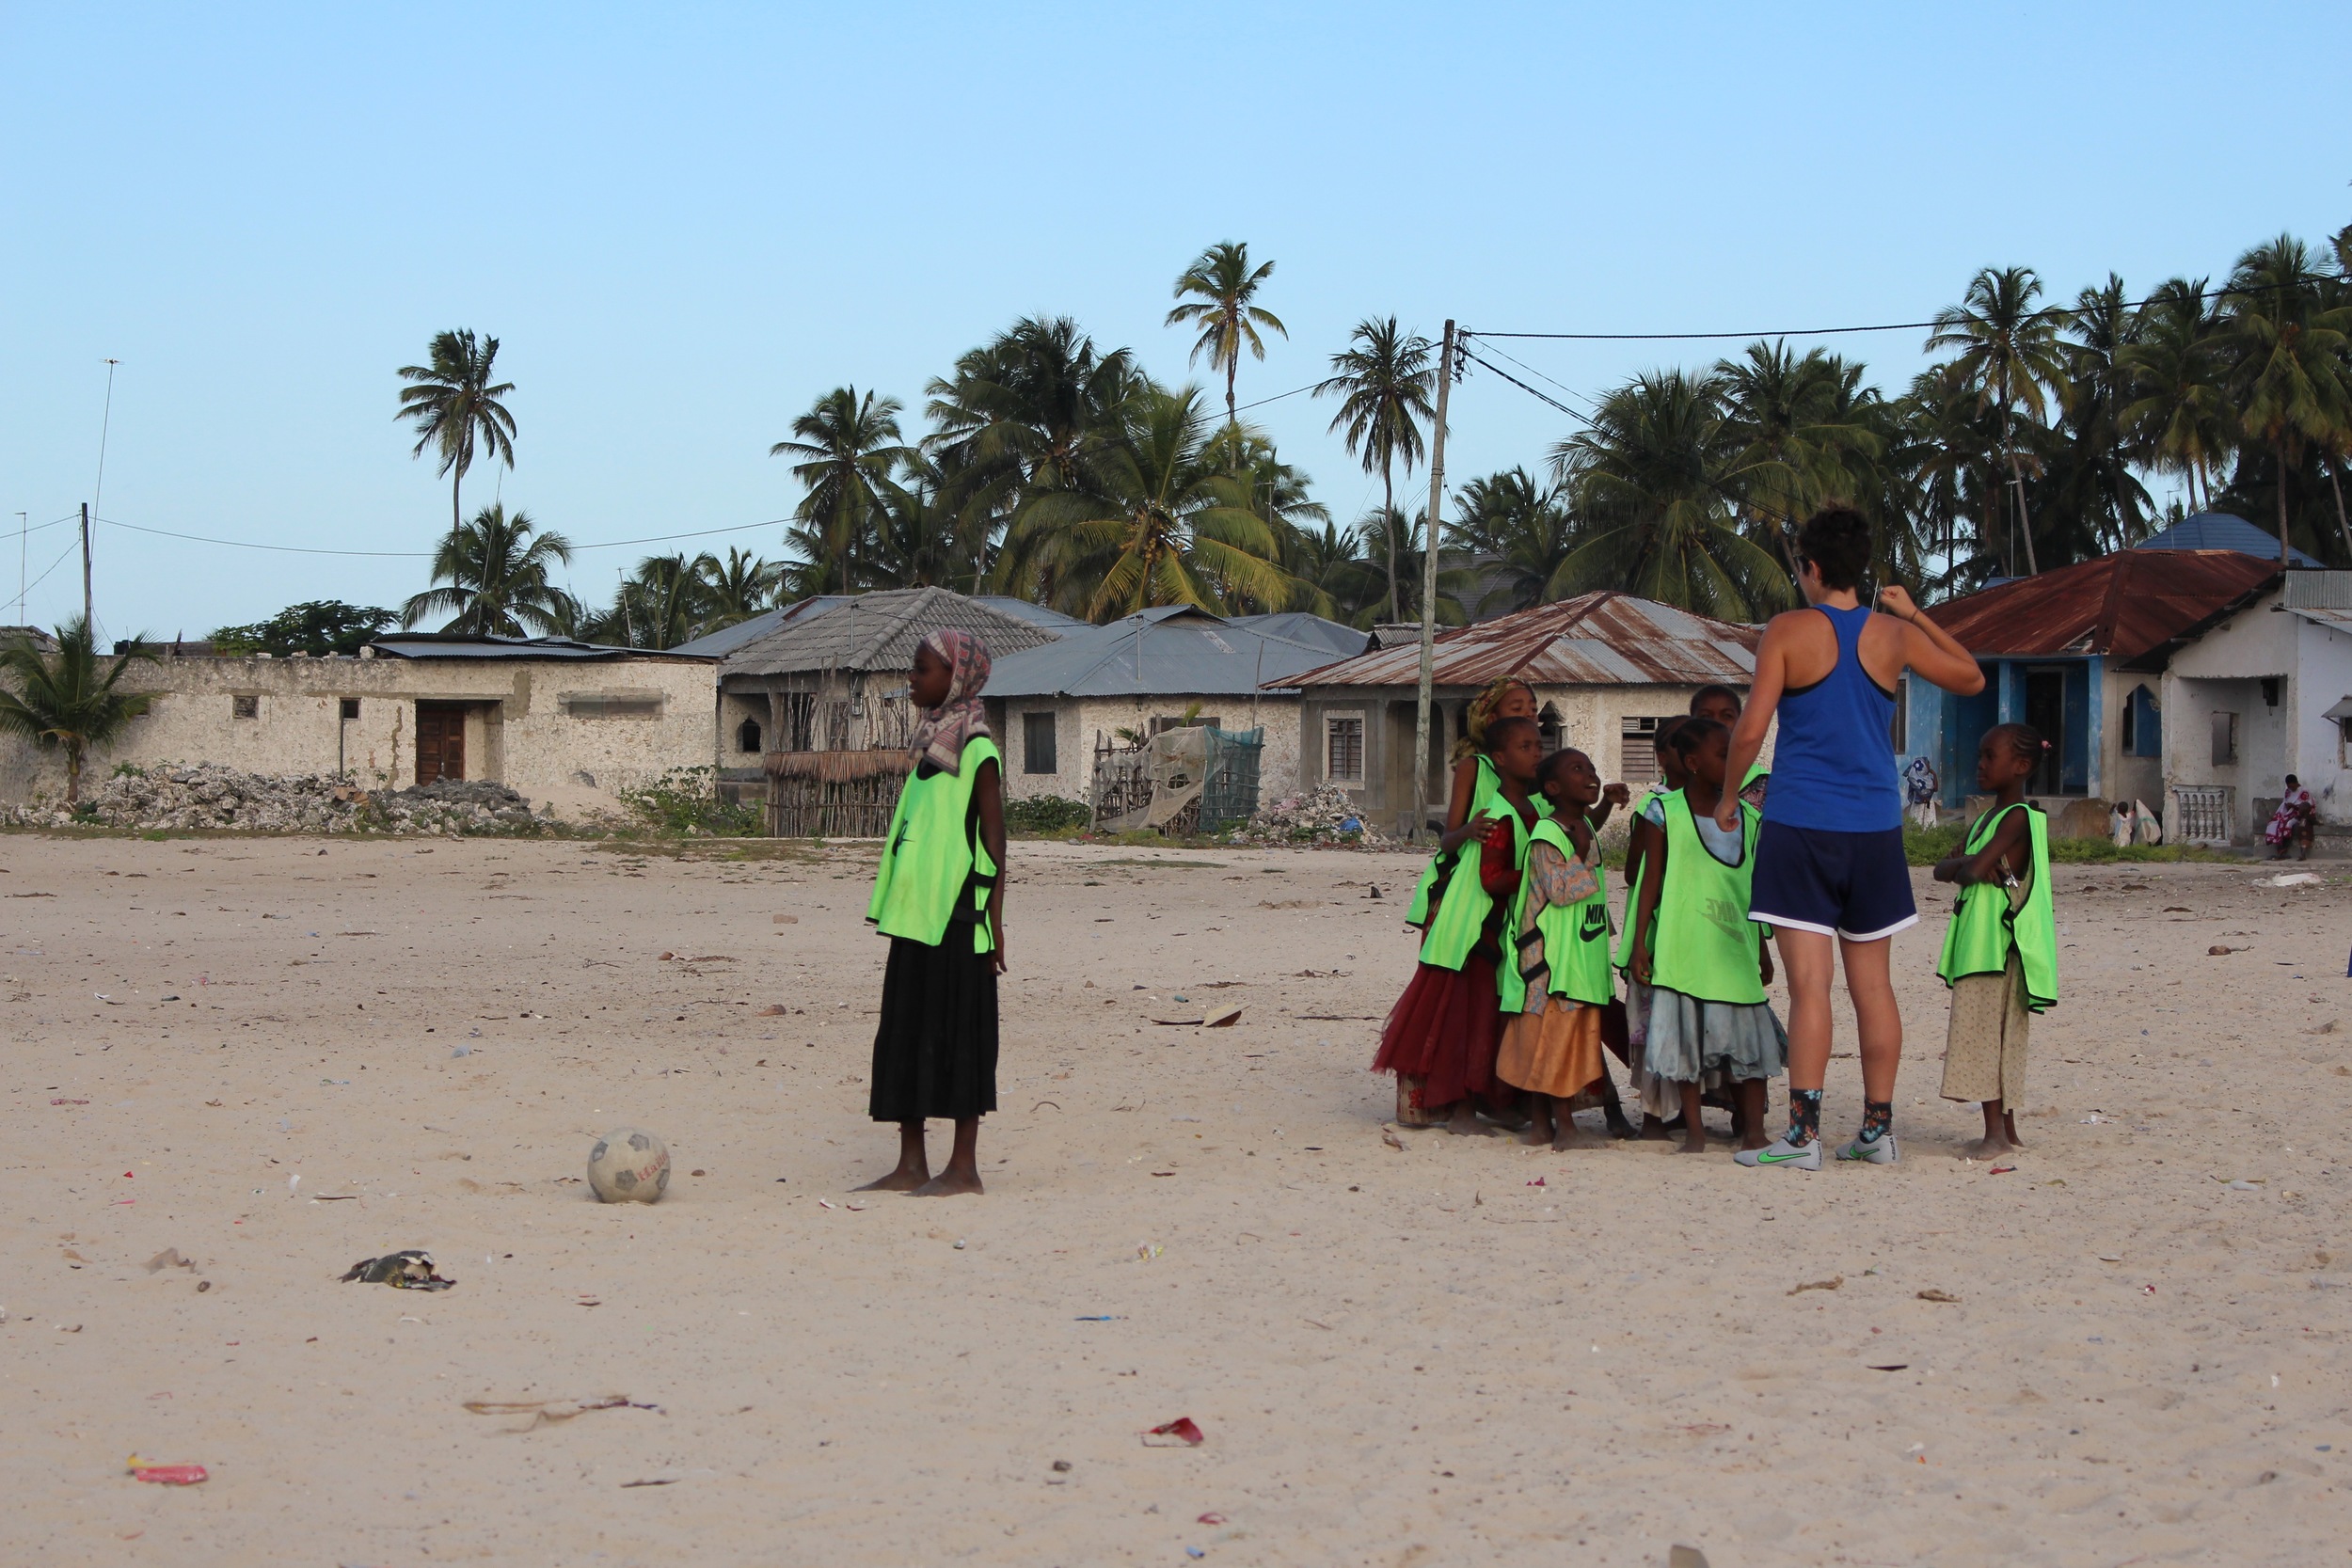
(1061, 704)
(1606, 667)
(2080, 654)
(2261, 689)
(558, 721)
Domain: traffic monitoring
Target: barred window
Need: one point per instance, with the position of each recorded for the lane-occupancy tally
(1343, 748)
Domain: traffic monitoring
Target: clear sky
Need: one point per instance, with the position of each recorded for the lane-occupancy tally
(685, 222)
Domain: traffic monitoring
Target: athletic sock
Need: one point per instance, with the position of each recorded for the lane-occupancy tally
(1878, 1120)
(1805, 1116)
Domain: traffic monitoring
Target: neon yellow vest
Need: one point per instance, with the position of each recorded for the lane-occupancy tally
(1706, 946)
(1985, 930)
(1623, 957)
(933, 865)
(1570, 940)
(1487, 796)
(1462, 909)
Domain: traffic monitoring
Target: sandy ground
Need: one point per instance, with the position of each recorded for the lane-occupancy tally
(1398, 1357)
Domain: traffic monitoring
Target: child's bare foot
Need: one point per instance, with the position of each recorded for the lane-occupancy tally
(1755, 1140)
(1535, 1134)
(2009, 1125)
(1464, 1122)
(1986, 1149)
(1653, 1130)
(899, 1181)
(1573, 1136)
(1694, 1140)
(951, 1182)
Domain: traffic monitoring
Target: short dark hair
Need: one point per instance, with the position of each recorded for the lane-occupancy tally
(1551, 764)
(1691, 734)
(1837, 540)
(1668, 730)
(1498, 728)
(1714, 688)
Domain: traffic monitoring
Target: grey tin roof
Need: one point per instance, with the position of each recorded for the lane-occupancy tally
(434, 644)
(1174, 651)
(877, 632)
(2220, 531)
(726, 640)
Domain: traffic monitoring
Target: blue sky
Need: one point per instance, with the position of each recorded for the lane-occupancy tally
(685, 222)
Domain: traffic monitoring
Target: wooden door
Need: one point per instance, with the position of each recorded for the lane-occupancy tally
(441, 741)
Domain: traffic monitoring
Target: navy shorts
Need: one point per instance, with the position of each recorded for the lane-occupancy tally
(1853, 885)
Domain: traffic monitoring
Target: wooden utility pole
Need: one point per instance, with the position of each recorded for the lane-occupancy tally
(88, 623)
(1429, 592)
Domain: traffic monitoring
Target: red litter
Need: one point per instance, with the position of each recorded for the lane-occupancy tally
(1210, 1519)
(1181, 1432)
(166, 1475)
(2001, 1170)
(1537, 1182)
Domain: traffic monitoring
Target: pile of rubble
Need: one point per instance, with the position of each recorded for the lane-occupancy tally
(209, 796)
(1321, 815)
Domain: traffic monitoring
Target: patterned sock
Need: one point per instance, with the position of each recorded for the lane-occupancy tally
(1804, 1116)
(1878, 1120)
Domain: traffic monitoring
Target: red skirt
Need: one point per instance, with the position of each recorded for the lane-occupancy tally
(1444, 1031)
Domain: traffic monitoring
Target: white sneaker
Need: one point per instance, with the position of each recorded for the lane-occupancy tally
(1880, 1150)
(1780, 1151)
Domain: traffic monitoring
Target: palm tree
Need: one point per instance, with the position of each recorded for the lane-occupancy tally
(1527, 530)
(916, 540)
(1384, 382)
(2009, 351)
(493, 573)
(2289, 381)
(1279, 493)
(1792, 419)
(2099, 504)
(1219, 289)
(848, 449)
(664, 602)
(1165, 527)
(1949, 449)
(455, 404)
(67, 699)
(1652, 478)
(734, 589)
(2178, 416)
(1333, 562)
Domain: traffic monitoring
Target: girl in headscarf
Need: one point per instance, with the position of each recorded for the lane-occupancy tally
(939, 897)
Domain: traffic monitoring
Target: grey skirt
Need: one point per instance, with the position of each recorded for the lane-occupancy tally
(1690, 1040)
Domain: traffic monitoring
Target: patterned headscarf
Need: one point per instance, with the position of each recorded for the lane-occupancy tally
(1481, 711)
(940, 738)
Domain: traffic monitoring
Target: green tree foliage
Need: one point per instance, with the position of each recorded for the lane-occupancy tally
(1218, 294)
(68, 700)
(492, 577)
(848, 450)
(456, 407)
(316, 627)
(1384, 380)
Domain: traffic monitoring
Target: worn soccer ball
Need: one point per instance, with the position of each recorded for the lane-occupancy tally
(630, 1165)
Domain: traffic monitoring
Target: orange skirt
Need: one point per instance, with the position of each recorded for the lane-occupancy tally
(1556, 1051)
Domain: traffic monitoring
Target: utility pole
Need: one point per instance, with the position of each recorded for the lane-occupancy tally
(88, 624)
(1429, 592)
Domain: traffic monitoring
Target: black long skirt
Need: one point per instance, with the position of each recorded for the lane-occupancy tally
(935, 1048)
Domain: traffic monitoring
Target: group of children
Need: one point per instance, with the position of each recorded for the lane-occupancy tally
(1515, 1002)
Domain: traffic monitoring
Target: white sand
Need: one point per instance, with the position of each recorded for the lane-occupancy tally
(1398, 1358)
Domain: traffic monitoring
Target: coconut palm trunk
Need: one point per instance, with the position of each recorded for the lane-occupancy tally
(1388, 514)
(2336, 483)
(2278, 449)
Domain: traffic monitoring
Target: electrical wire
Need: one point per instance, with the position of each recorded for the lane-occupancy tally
(52, 566)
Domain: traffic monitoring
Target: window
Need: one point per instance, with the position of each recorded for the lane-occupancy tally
(2224, 739)
(2143, 724)
(608, 705)
(2343, 743)
(2270, 690)
(1343, 748)
(1036, 744)
(747, 735)
(351, 707)
(245, 707)
(1637, 749)
(1549, 726)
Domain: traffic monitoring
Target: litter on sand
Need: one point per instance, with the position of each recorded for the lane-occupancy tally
(1937, 1295)
(1182, 1433)
(1832, 1284)
(168, 1259)
(165, 1475)
(550, 1412)
(411, 1269)
(1210, 1519)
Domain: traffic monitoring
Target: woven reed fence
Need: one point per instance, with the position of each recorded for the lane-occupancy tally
(834, 794)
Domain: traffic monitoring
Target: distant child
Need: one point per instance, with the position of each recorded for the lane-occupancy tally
(1555, 980)
(939, 897)
(1444, 1031)
(1659, 1101)
(2000, 957)
(1722, 704)
(1703, 958)
(1469, 814)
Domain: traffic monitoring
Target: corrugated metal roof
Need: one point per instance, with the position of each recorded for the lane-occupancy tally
(727, 638)
(434, 644)
(1022, 610)
(2220, 531)
(1604, 639)
(2122, 606)
(1173, 651)
(877, 632)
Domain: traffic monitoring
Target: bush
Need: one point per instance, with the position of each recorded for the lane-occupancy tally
(684, 802)
(1926, 845)
(1041, 814)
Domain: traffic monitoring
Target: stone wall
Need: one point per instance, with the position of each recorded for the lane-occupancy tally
(1078, 720)
(559, 729)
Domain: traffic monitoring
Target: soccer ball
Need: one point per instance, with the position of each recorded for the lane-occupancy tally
(630, 1165)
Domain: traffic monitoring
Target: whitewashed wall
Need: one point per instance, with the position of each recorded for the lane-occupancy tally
(1078, 720)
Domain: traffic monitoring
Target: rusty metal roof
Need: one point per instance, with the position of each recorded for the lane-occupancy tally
(2123, 605)
(1604, 639)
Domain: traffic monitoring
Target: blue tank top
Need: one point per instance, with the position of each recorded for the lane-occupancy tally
(1833, 765)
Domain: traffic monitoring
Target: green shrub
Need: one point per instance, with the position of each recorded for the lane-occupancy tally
(1041, 814)
(684, 804)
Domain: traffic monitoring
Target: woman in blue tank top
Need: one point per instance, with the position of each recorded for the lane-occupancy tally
(1831, 876)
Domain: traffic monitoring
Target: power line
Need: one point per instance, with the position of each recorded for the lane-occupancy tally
(52, 566)
(426, 555)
